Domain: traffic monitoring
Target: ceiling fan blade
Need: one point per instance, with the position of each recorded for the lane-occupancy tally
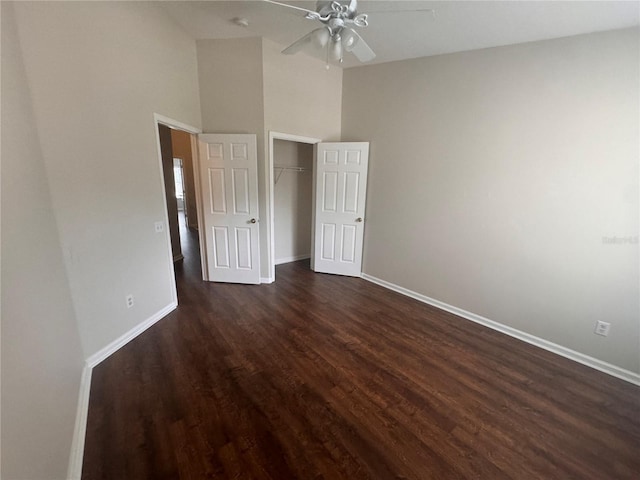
(353, 8)
(310, 13)
(296, 46)
(360, 49)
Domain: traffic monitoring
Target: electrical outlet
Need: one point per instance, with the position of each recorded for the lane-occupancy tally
(602, 328)
(159, 226)
(129, 300)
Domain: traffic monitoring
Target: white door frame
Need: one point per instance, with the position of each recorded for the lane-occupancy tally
(269, 190)
(171, 123)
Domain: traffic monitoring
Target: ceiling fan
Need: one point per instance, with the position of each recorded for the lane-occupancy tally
(337, 34)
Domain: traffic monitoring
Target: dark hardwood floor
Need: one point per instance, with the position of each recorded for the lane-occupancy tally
(327, 377)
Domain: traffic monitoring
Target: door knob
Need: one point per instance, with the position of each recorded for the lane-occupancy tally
(359, 219)
(253, 220)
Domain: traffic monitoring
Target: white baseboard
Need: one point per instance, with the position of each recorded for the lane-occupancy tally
(79, 434)
(74, 471)
(266, 280)
(592, 362)
(280, 261)
(99, 356)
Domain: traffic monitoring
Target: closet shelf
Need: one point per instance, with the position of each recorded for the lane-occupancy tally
(289, 168)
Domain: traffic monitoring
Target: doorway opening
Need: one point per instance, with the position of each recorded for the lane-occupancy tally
(179, 183)
(185, 199)
(176, 148)
(290, 185)
(178, 176)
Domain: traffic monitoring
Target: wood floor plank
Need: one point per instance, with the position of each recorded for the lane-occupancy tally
(326, 377)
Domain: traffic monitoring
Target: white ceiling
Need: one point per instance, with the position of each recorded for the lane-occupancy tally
(457, 25)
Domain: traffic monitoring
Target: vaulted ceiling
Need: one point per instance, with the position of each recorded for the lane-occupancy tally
(397, 34)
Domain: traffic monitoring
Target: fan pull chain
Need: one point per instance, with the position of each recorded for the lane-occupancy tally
(327, 65)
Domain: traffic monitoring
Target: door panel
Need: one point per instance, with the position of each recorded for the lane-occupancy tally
(328, 246)
(221, 247)
(349, 233)
(243, 247)
(240, 190)
(330, 192)
(351, 184)
(340, 199)
(229, 173)
(217, 193)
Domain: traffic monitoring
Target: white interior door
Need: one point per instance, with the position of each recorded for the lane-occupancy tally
(339, 207)
(229, 196)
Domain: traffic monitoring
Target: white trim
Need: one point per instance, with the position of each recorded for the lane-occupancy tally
(195, 157)
(314, 181)
(74, 471)
(292, 259)
(77, 444)
(592, 362)
(269, 194)
(165, 212)
(266, 280)
(118, 343)
(169, 122)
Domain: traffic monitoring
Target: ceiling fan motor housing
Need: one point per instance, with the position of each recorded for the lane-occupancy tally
(336, 24)
(325, 8)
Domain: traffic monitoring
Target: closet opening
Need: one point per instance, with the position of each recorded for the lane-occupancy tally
(292, 201)
(291, 206)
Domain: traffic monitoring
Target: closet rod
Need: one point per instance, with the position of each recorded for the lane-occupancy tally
(288, 167)
(291, 167)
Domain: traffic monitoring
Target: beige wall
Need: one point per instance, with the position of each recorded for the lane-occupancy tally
(231, 95)
(266, 91)
(292, 200)
(495, 175)
(181, 143)
(42, 357)
(301, 97)
(97, 72)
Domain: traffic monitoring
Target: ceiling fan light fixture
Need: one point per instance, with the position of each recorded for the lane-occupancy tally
(321, 37)
(348, 40)
(336, 48)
